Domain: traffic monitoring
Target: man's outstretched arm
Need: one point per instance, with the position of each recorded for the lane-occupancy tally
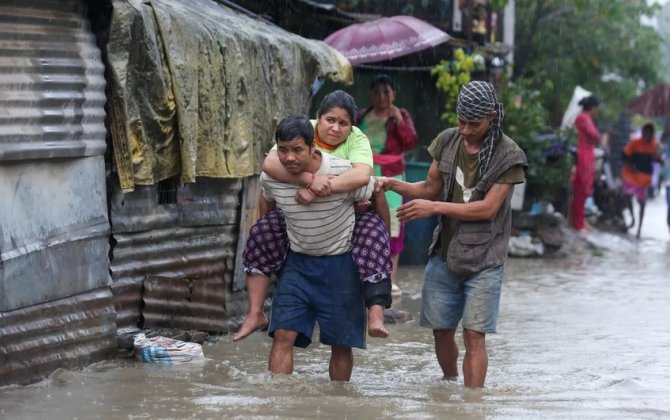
(429, 189)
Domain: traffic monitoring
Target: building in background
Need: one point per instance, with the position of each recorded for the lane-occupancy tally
(129, 154)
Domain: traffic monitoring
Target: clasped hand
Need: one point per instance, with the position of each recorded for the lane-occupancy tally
(319, 187)
(382, 183)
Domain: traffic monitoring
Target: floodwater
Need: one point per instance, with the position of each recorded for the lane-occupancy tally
(585, 337)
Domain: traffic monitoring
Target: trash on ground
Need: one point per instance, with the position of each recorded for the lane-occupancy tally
(165, 350)
(523, 246)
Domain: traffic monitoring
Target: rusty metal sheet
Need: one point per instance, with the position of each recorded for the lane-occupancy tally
(64, 333)
(204, 253)
(184, 303)
(53, 218)
(54, 232)
(207, 202)
(249, 213)
(52, 82)
(193, 239)
(128, 304)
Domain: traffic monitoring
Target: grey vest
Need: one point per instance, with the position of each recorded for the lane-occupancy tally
(478, 245)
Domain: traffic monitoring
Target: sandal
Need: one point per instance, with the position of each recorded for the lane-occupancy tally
(395, 290)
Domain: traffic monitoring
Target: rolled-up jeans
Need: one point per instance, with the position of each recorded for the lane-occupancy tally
(447, 298)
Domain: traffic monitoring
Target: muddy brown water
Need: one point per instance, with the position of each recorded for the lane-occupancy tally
(582, 337)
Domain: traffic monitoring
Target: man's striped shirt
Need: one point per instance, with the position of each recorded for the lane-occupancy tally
(326, 225)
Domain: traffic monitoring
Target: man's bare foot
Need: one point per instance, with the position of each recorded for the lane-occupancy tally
(376, 322)
(251, 324)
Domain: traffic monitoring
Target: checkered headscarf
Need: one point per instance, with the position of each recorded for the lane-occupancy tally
(476, 100)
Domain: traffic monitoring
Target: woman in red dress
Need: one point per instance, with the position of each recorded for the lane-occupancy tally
(588, 137)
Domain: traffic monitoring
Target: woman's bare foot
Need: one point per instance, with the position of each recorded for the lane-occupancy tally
(588, 227)
(252, 323)
(376, 322)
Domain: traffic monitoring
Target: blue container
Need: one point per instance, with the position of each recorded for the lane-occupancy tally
(418, 233)
(416, 171)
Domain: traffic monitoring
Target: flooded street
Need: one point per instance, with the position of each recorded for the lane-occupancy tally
(585, 337)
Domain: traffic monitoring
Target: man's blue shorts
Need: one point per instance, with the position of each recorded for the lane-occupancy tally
(446, 298)
(324, 289)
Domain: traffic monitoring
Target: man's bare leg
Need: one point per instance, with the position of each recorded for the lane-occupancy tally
(341, 363)
(395, 290)
(281, 354)
(446, 351)
(639, 227)
(476, 360)
(257, 290)
(376, 322)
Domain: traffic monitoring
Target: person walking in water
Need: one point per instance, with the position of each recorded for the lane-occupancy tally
(319, 281)
(638, 155)
(473, 171)
(268, 242)
(588, 137)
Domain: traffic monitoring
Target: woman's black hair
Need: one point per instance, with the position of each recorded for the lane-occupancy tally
(338, 99)
(589, 102)
(382, 79)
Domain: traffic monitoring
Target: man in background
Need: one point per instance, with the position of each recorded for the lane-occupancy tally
(638, 157)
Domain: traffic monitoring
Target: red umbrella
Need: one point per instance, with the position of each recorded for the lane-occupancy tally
(653, 102)
(385, 38)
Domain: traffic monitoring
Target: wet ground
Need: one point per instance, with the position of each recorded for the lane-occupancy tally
(584, 337)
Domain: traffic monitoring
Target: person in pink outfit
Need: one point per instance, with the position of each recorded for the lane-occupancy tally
(391, 132)
(588, 137)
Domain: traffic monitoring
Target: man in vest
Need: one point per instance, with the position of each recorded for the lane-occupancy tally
(469, 185)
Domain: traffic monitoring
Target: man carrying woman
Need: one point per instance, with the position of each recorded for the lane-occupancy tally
(319, 280)
(268, 241)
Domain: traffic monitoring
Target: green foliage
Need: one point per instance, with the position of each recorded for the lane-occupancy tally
(525, 119)
(598, 44)
(451, 75)
(426, 9)
(410, 8)
(498, 4)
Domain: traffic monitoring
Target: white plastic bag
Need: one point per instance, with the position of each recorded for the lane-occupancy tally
(573, 109)
(165, 350)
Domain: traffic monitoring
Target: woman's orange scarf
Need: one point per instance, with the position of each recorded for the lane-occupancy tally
(320, 143)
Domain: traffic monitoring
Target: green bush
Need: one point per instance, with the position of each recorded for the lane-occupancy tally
(526, 121)
(451, 75)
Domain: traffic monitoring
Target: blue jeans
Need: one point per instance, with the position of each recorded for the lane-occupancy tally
(448, 297)
(667, 197)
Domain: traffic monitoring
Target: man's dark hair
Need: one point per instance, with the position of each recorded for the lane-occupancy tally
(338, 99)
(382, 79)
(295, 126)
(649, 127)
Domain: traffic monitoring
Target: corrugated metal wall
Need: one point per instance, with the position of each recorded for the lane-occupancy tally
(65, 333)
(55, 304)
(173, 263)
